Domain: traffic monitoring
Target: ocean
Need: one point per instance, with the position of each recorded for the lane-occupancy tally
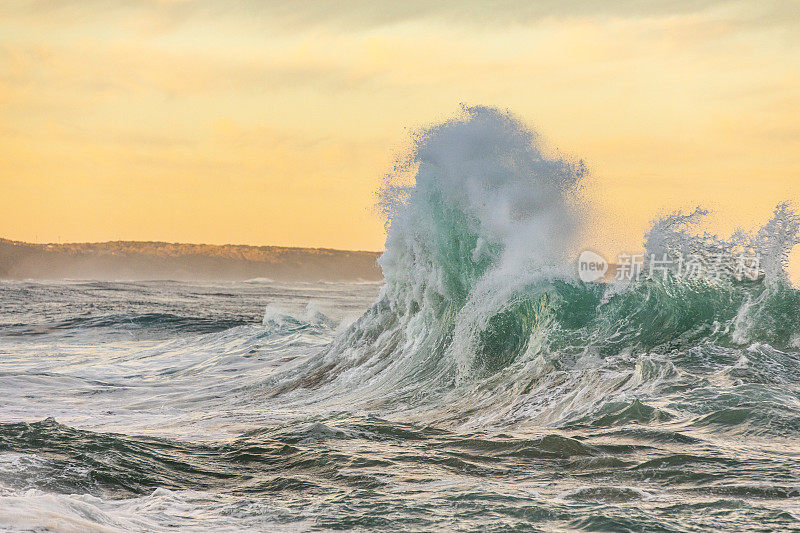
(480, 387)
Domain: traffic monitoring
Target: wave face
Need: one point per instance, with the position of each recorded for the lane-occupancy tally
(481, 387)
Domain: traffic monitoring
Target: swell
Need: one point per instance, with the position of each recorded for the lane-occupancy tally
(313, 456)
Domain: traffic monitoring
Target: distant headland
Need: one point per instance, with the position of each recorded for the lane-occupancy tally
(136, 260)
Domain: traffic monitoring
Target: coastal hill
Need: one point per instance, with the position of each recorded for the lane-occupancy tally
(133, 260)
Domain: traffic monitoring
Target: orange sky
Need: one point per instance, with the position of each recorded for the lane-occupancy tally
(273, 123)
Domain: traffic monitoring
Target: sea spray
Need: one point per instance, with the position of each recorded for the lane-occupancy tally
(489, 216)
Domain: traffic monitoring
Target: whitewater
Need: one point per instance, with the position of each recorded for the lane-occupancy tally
(480, 387)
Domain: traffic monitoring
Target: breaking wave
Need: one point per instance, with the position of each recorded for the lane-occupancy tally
(482, 320)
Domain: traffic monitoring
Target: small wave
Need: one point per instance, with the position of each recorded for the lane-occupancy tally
(608, 494)
(276, 318)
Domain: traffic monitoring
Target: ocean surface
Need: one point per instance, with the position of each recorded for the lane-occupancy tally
(480, 387)
(161, 406)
